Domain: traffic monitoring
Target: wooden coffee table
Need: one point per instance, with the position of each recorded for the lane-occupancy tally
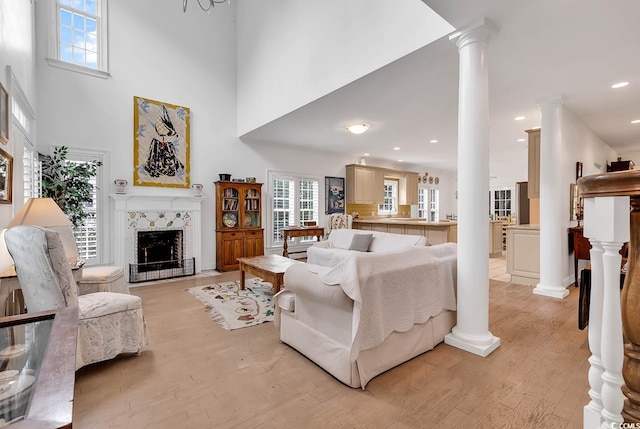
(270, 268)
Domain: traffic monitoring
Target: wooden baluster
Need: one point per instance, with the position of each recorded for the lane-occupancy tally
(631, 321)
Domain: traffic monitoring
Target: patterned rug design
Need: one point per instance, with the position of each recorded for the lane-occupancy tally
(234, 308)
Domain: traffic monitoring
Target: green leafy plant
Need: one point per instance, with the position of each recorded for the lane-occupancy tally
(68, 183)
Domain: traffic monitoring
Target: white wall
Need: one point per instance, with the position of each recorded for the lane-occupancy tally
(17, 50)
(291, 52)
(579, 144)
(185, 59)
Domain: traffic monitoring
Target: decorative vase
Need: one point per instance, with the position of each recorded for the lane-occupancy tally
(197, 189)
(121, 185)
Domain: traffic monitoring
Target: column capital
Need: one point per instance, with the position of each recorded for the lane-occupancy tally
(478, 31)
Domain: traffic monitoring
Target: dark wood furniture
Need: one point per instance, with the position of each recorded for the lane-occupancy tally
(239, 231)
(299, 231)
(50, 356)
(580, 247)
(620, 165)
(270, 268)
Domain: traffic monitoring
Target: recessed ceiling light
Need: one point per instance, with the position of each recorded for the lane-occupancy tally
(619, 85)
(519, 118)
(636, 121)
(365, 154)
(399, 160)
(535, 128)
(433, 141)
(396, 148)
(522, 140)
(358, 128)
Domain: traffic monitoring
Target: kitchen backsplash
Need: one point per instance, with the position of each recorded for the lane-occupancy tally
(371, 210)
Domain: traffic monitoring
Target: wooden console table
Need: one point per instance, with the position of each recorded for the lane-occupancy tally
(299, 231)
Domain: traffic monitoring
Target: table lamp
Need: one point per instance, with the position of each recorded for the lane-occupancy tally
(46, 213)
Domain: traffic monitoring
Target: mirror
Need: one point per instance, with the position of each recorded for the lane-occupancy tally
(6, 174)
(575, 210)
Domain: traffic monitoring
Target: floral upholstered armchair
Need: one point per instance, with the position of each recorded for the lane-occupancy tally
(109, 323)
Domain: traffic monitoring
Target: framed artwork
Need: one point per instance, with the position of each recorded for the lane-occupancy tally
(6, 177)
(160, 144)
(334, 195)
(4, 115)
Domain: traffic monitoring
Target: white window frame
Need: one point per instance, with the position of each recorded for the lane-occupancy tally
(295, 219)
(505, 205)
(23, 120)
(54, 60)
(102, 201)
(390, 205)
(429, 204)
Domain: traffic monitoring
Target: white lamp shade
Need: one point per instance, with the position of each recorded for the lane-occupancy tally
(41, 212)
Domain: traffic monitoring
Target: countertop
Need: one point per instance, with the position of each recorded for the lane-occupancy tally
(411, 221)
(404, 221)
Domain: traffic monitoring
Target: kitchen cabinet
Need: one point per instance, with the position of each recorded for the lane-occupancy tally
(365, 185)
(534, 163)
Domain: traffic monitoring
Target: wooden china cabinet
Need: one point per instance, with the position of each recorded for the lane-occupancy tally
(239, 231)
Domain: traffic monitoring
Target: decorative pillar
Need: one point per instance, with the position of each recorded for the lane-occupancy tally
(552, 228)
(471, 332)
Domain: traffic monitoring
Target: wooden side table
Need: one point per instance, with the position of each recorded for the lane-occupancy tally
(299, 231)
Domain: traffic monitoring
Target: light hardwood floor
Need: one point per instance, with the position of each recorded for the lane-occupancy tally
(194, 374)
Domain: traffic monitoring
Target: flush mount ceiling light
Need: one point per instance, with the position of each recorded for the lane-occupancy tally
(209, 4)
(519, 118)
(358, 128)
(619, 85)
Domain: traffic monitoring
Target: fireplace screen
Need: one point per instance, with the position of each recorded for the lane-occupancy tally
(159, 254)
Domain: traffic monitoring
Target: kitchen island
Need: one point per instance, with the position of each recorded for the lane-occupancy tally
(435, 232)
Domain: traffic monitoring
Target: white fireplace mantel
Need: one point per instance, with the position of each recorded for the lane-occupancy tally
(122, 204)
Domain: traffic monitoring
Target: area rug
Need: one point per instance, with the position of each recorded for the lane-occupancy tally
(234, 308)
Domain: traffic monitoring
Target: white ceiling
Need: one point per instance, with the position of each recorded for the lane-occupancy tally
(571, 48)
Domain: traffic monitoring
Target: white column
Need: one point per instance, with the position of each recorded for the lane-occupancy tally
(471, 332)
(552, 227)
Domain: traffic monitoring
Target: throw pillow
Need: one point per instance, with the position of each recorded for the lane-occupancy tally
(360, 242)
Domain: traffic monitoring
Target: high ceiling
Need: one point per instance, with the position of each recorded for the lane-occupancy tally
(571, 48)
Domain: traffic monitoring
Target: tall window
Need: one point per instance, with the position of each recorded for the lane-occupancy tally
(90, 236)
(429, 204)
(79, 36)
(390, 204)
(501, 202)
(31, 172)
(295, 199)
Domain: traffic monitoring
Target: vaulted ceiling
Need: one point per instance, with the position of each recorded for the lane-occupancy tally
(544, 48)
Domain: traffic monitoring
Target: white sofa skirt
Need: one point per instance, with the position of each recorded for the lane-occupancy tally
(334, 356)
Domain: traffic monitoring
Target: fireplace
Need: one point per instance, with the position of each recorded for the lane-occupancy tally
(158, 250)
(159, 255)
(156, 213)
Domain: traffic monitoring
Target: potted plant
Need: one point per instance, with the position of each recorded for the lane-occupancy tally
(68, 183)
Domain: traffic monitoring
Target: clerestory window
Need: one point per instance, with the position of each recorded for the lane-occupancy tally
(78, 39)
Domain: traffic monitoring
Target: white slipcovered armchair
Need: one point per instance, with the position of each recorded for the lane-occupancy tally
(109, 323)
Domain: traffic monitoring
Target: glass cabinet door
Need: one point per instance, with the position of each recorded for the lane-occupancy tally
(252, 207)
(230, 207)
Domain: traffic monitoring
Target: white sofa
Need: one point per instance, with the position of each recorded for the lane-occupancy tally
(335, 249)
(371, 312)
